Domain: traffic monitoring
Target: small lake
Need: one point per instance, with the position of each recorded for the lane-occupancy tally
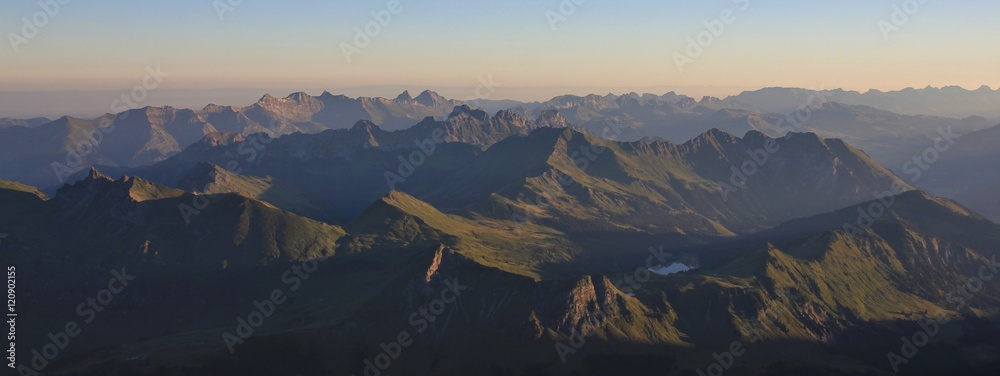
(671, 269)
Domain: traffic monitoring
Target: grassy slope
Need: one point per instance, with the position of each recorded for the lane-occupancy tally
(15, 186)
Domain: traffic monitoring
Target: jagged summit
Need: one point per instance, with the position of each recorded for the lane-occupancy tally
(466, 110)
(96, 175)
(709, 101)
(514, 118)
(365, 125)
(108, 191)
(552, 118)
(714, 136)
(429, 98)
(404, 97)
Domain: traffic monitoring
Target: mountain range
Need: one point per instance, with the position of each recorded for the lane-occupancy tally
(143, 136)
(800, 288)
(947, 101)
(882, 134)
(44, 154)
(715, 183)
(595, 235)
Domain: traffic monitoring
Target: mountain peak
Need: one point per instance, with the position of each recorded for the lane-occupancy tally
(102, 187)
(429, 98)
(404, 216)
(804, 137)
(708, 100)
(716, 135)
(365, 125)
(551, 118)
(465, 110)
(404, 97)
(97, 175)
(299, 96)
(510, 116)
(687, 102)
(755, 136)
(395, 196)
(267, 98)
(365, 133)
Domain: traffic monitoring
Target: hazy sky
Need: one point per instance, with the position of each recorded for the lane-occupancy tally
(602, 44)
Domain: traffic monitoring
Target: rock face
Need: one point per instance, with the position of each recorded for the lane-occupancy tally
(586, 307)
(552, 118)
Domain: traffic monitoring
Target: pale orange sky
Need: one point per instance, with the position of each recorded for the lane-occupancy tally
(601, 46)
